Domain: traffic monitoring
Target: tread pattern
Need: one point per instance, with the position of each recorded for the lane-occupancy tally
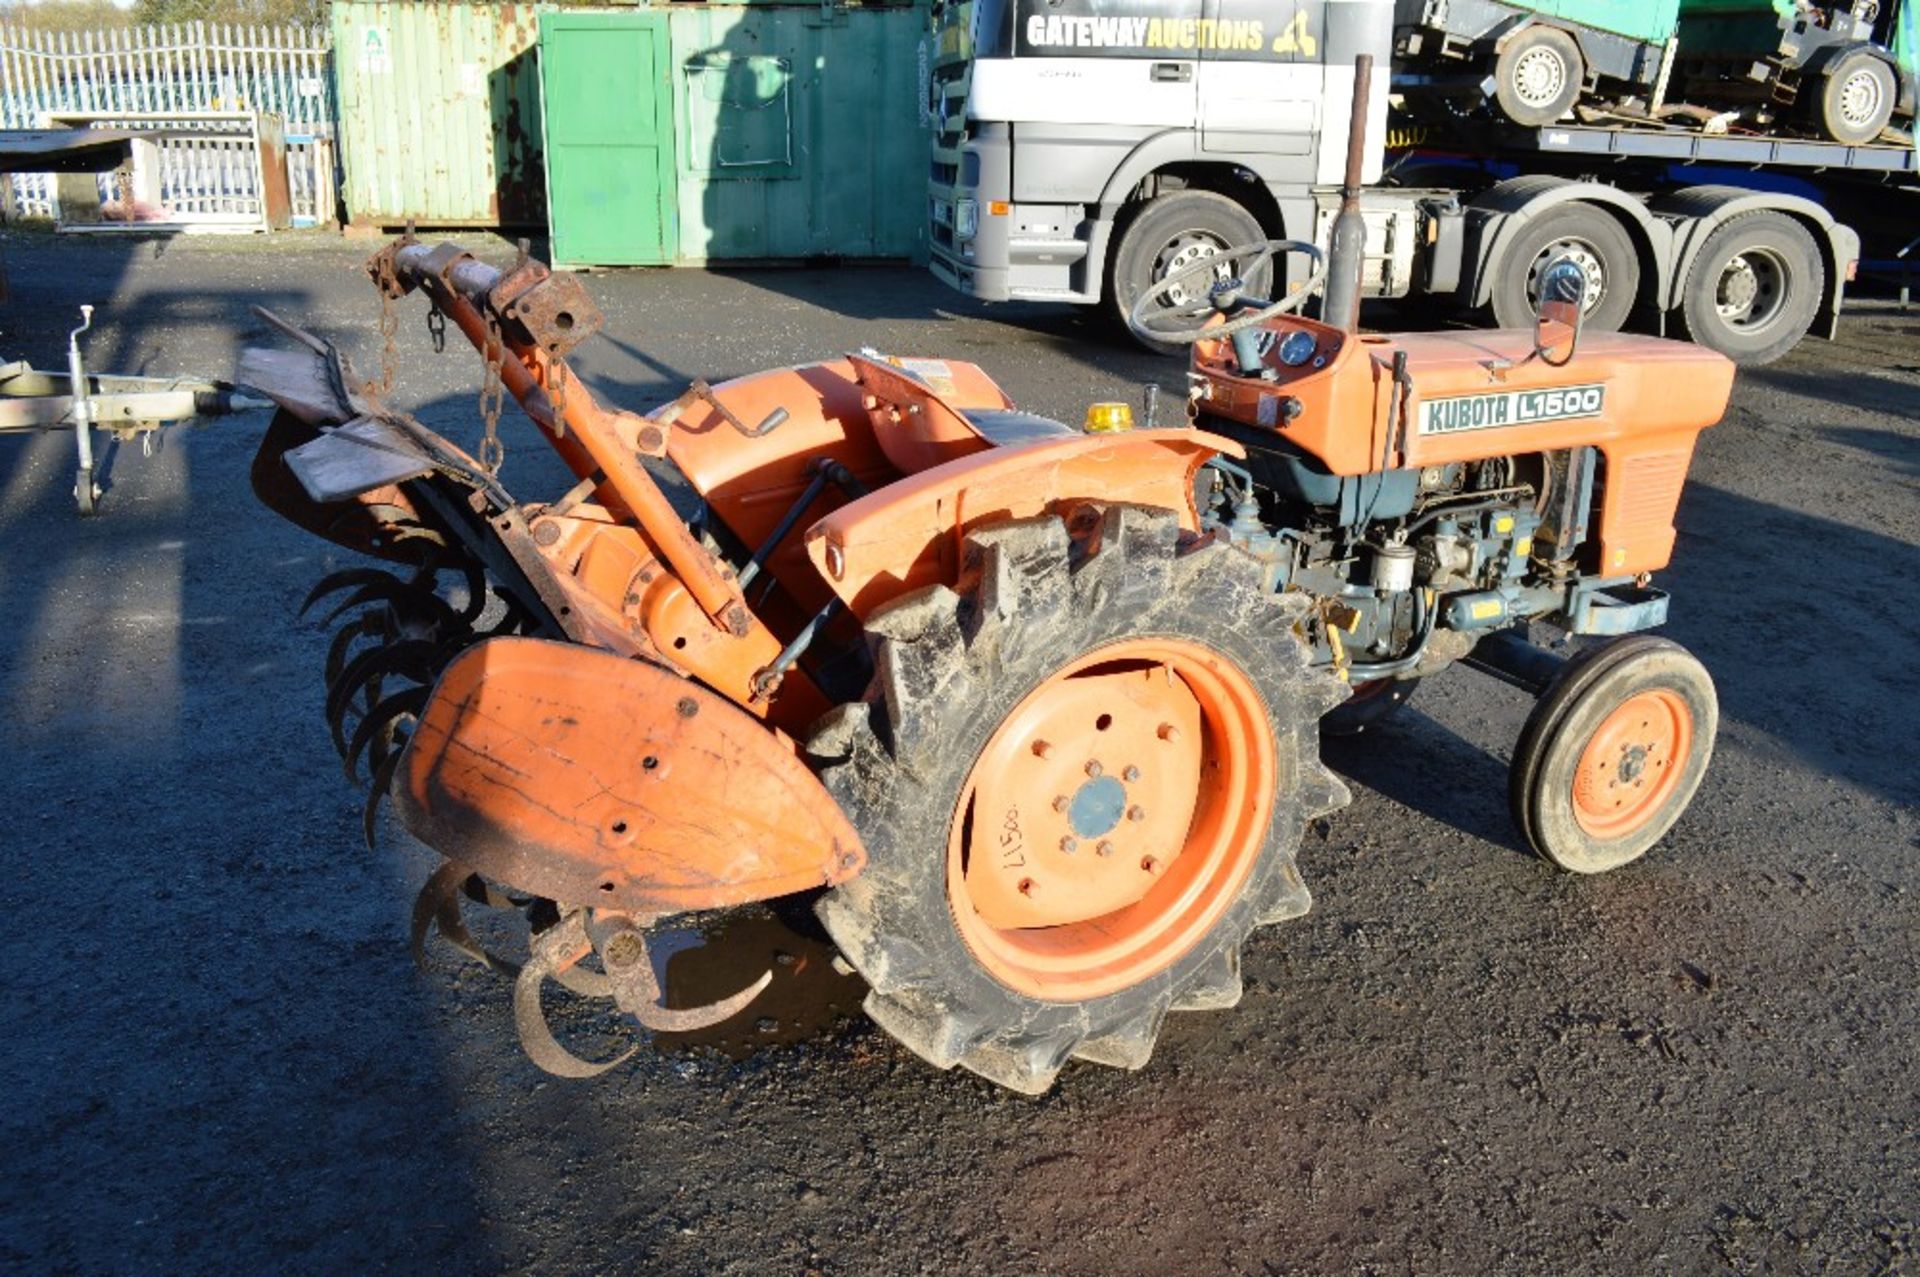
(947, 669)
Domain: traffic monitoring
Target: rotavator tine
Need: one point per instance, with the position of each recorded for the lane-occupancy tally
(346, 577)
(623, 952)
(364, 627)
(414, 659)
(438, 905)
(557, 948)
(476, 591)
(381, 785)
(395, 593)
(376, 729)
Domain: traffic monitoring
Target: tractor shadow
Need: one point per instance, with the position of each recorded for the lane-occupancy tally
(1399, 759)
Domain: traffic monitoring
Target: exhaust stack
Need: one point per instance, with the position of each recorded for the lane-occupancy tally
(1347, 249)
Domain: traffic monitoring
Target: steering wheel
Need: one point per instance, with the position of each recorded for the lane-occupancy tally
(1247, 259)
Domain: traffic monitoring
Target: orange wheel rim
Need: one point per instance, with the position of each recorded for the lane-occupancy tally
(1633, 763)
(1111, 819)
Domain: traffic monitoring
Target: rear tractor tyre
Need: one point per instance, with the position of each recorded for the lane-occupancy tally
(1613, 753)
(1081, 784)
(1539, 76)
(1754, 289)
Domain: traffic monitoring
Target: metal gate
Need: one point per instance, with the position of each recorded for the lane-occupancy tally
(181, 70)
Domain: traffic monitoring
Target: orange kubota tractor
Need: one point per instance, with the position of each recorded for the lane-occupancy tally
(1034, 709)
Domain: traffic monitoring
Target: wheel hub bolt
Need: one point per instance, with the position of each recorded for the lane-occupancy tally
(1105, 848)
(1136, 814)
(1150, 863)
(1130, 775)
(1095, 770)
(1069, 844)
(1060, 803)
(1169, 733)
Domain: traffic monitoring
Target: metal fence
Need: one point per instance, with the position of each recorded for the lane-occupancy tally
(183, 67)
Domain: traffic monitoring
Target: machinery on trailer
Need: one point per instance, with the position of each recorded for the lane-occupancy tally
(1034, 708)
(1830, 70)
(1083, 155)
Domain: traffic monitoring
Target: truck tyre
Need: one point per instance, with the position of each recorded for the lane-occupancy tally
(1856, 99)
(1752, 292)
(1081, 785)
(1596, 240)
(1539, 76)
(1613, 753)
(1170, 232)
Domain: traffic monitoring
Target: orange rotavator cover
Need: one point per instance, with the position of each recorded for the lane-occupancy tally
(584, 776)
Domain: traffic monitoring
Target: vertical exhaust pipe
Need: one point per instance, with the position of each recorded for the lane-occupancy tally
(1346, 253)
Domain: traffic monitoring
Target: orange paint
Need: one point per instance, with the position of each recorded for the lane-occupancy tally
(592, 779)
(1632, 765)
(1074, 924)
(1657, 396)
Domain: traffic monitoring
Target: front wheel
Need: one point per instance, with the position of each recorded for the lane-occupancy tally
(1080, 786)
(1613, 753)
(1538, 76)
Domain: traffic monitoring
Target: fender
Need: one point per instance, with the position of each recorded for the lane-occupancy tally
(593, 779)
(1698, 211)
(911, 534)
(1498, 214)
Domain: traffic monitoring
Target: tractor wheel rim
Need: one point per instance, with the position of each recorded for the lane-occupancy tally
(1112, 818)
(1179, 253)
(1752, 289)
(1583, 255)
(1539, 76)
(1633, 763)
(1860, 98)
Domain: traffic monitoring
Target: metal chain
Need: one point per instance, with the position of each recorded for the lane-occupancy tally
(493, 396)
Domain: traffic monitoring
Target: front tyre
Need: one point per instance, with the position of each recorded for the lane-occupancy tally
(1081, 785)
(1613, 753)
(1596, 241)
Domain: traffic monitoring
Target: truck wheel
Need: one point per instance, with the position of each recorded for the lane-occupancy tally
(1171, 232)
(1613, 753)
(1372, 702)
(1538, 76)
(1752, 292)
(1080, 786)
(1856, 99)
(1594, 239)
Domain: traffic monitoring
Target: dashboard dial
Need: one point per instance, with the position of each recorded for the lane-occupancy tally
(1296, 348)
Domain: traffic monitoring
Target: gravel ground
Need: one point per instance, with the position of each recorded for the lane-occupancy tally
(221, 1057)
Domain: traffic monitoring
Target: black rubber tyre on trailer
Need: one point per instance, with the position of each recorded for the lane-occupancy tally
(1539, 76)
(1139, 720)
(1168, 233)
(1594, 239)
(1613, 753)
(1754, 289)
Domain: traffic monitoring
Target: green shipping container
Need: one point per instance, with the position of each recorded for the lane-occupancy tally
(708, 133)
(439, 113)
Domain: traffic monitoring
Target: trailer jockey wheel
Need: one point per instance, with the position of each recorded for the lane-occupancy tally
(1539, 76)
(1080, 784)
(1856, 99)
(1613, 753)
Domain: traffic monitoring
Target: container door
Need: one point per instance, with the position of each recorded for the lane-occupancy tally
(608, 110)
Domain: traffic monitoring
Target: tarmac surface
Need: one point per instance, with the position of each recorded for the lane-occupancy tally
(220, 1056)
